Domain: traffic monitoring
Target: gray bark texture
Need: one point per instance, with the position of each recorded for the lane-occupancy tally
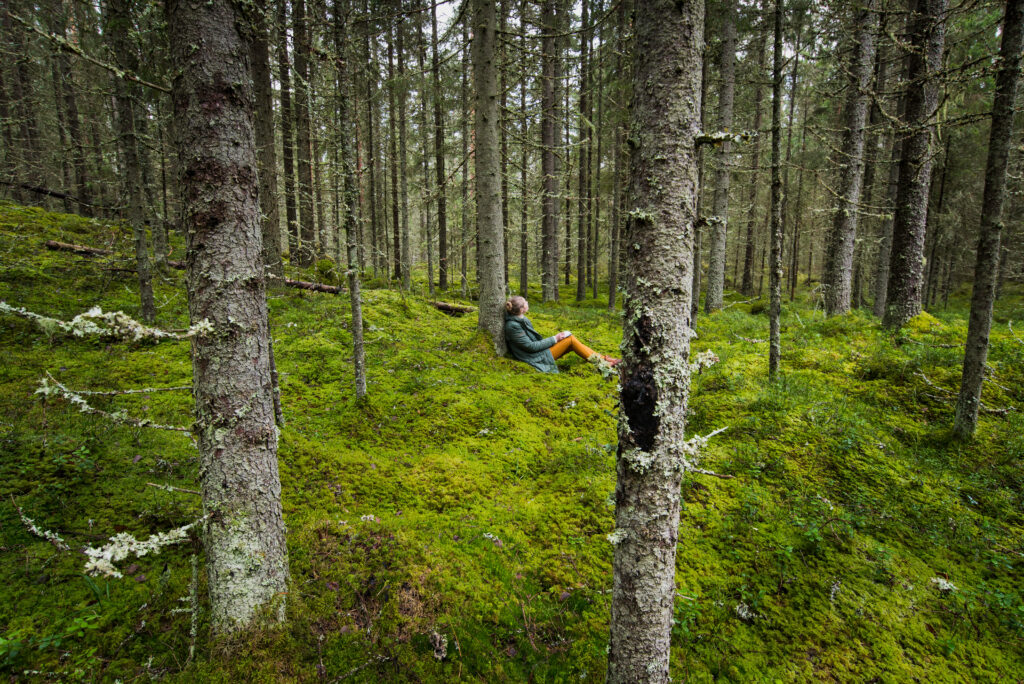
(775, 265)
(491, 311)
(442, 196)
(719, 220)
(119, 24)
(583, 169)
(524, 126)
(244, 534)
(265, 141)
(655, 374)
(755, 169)
(987, 264)
(351, 193)
(906, 262)
(303, 141)
(549, 169)
(839, 251)
(287, 129)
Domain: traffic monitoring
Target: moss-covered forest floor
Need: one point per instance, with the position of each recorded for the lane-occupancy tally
(463, 509)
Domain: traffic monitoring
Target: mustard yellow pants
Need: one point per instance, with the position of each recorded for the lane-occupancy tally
(570, 343)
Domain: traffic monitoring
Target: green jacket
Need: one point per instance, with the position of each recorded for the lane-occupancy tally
(526, 344)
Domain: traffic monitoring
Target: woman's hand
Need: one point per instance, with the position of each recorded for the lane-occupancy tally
(562, 335)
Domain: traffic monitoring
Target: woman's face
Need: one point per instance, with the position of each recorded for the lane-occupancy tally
(526, 307)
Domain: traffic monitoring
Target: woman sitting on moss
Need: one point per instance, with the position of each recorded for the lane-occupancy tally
(526, 344)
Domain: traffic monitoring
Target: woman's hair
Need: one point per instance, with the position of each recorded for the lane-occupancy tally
(515, 305)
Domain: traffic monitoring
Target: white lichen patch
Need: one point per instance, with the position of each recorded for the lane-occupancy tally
(101, 560)
(112, 325)
(618, 536)
(943, 585)
(48, 535)
(745, 612)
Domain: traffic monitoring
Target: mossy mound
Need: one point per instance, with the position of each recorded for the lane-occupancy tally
(454, 524)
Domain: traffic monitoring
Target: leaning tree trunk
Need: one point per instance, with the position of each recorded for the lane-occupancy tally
(120, 26)
(488, 176)
(927, 35)
(720, 218)
(987, 263)
(775, 274)
(655, 375)
(244, 534)
(839, 254)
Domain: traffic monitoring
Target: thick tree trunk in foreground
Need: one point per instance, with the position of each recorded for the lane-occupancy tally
(120, 26)
(987, 264)
(720, 208)
(244, 533)
(927, 35)
(839, 254)
(491, 316)
(775, 265)
(655, 376)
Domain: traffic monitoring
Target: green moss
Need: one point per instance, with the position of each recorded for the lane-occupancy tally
(467, 496)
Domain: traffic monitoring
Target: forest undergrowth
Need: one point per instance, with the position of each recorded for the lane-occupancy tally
(455, 524)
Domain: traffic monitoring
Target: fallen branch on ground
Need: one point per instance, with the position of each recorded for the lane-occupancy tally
(306, 285)
(77, 249)
(949, 396)
(171, 488)
(49, 536)
(452, 309)
(745, 301)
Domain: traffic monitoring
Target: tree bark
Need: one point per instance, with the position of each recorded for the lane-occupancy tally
(442, 188)
(987, 263)
(265, 144)
(775, 273)
(755, 168)
(700, 223)
(655, 375)
(839, 253)
(549, 169)
(582, 202)
(403, 96)
(307, 228)
(244, 534)
(351, 199)
(287, 130)
(524, 126)
(119, 26)
(927, 35)
(720, 217)
(491, 318)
